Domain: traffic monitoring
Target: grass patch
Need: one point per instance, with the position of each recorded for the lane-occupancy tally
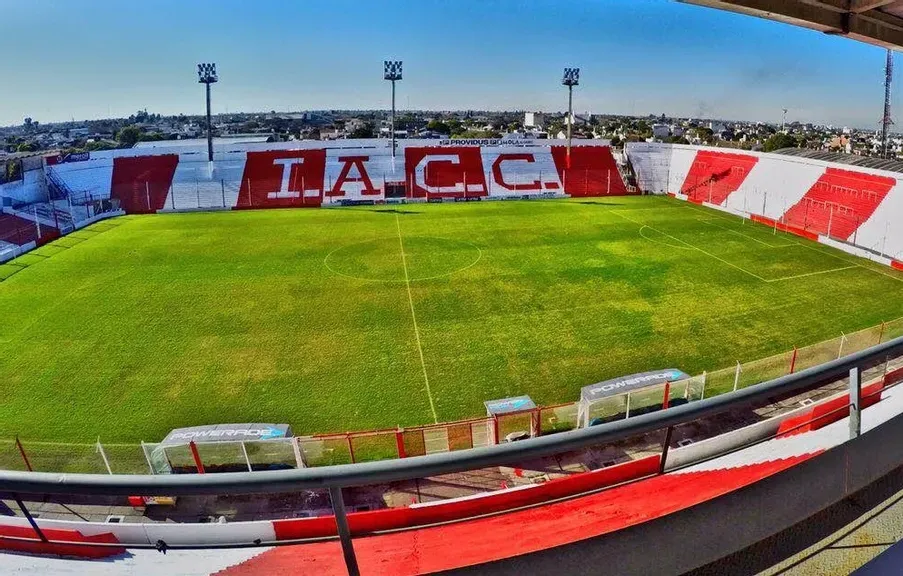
(304, 316)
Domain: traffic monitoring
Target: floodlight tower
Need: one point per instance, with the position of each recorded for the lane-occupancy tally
(207, 75)
(783, 119)
(570, 79)
(392, 72)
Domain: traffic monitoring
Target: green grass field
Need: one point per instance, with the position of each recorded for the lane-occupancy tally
(318, 318)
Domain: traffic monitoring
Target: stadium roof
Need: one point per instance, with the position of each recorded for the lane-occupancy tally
(851, 159)
(202, 142)
(877, 22)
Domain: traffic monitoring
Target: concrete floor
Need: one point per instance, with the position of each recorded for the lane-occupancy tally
(837, 541)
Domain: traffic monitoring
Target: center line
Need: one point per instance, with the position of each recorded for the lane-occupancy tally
(407, 281)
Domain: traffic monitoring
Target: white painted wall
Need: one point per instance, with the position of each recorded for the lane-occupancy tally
(772, 187)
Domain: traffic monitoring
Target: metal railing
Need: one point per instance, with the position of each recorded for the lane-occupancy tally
(337, 478)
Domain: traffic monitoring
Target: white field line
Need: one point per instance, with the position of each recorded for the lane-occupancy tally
(851, 259)
(660, 242)
(854, 260)
(407, 279)
(732, 231)
(766, 280)
(717, 215)
(876, 271)
(812, 273)
(722, 260)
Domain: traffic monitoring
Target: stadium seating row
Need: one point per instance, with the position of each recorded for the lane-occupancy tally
(808, 196)
(313, 176)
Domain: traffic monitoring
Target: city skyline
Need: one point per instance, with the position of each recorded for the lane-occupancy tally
(651, 57)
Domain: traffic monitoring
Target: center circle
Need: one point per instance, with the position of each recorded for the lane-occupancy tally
(380, 259)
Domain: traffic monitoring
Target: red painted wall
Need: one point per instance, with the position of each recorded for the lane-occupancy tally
(265, 183)
(55, 535)
(593, 171)
(713, 176)
(141, 183)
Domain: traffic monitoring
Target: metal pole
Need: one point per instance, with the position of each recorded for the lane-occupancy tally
(244, 452)
(296, 448)
(570, 121)
(31, 520)
(147, 457)
(24, 456)
(737, 376)
(665, 446)
(209, 128)
(830, 220)
(855, 399)
(37, 222)
(103, 454)
(197, 457)
(393, 120)
(341, 521)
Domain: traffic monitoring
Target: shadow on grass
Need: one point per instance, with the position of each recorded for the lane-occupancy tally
(396, 211)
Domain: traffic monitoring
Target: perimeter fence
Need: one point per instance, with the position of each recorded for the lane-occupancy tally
(373, 445)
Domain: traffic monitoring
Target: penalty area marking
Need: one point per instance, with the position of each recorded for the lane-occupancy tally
(722, 260)
(710, 223)
(812, 274)
(846, 258)
(660, 242)
(404, 262)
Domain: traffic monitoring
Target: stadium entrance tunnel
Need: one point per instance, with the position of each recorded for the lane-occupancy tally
(403, 259)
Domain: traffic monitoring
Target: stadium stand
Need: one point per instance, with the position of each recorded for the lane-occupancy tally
(713, 176)
(839, 202)
(141, 184)
(21, 231)
(814, 197)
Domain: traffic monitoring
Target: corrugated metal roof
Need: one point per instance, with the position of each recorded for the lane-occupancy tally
(841, 158)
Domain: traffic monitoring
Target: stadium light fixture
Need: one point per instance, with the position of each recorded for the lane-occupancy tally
(570, 79)
(392, 72)
(207, 75)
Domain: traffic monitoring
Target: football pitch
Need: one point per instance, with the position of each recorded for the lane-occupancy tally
(376, 317)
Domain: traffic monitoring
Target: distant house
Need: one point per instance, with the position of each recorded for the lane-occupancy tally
(661, 131)
(535, 120)
(562, 135)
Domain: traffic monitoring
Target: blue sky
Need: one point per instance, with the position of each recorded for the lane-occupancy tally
(66, 59)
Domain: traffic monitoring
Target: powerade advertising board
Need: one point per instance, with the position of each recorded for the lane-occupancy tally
(227, 433)
(506, 405)
(631, 382)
